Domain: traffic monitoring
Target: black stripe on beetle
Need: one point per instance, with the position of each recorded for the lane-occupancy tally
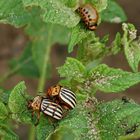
(51, 105)
(68, 91)
(69, 96)
(47, 102)
(67, 99)
(51, 112)
(51, 109)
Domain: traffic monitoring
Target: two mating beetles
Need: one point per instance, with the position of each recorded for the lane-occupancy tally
(56, 99)
(89, 16)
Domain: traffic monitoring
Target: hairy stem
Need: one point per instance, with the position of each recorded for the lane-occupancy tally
(42, 80)
(32, 133)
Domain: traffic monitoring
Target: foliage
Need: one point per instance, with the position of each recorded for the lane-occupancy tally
(131, 46)
(113, 13)
(25, 65)
(56, 21)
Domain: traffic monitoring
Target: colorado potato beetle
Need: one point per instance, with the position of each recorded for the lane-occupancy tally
(89, 16)
(63, 96)
(46, 106)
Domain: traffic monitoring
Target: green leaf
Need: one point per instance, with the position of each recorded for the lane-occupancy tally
(4, 95)
(116, 44)
(13, 12)
(92, 49)
(74, 126)
(116, 117)
(77, 35)
(43, 38)
(105, 39)
(109, 79)
(44, 128)
(41, 49)
(131, 48)
(3, 111)
(133, 136)
(54, 11)
(130, 33)
(63, 133)
(99, 4)
(113, 13)
(91, 121)
(132, 53)
(38, 30)
(43, 41)
(25, 65)
(72, 69)
(61, 34)
(70, 3)
(6, 133)
(18, 104)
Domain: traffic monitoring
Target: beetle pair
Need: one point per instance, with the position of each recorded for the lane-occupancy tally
(56, 99)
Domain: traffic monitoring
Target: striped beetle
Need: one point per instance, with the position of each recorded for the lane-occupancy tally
(89, 16)
(63, 96)
(46, 106)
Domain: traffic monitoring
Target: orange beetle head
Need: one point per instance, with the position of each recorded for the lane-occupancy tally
(53, 91)
(35, 103)
(92, 25)
(92, 28)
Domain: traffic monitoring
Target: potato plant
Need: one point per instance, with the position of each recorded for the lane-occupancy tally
(47, 22)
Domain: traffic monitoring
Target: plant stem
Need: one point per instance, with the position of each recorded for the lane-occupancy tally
(32, 133)
(42, 79)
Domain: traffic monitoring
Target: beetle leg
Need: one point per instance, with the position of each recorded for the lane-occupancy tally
(36, 123)
(65, 107)
(65, 114)
(32, 114)
(38, 117)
